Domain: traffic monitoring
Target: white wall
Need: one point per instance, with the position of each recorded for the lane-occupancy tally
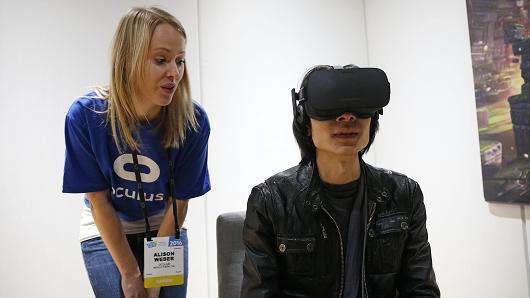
(244, 57)
(429, 131)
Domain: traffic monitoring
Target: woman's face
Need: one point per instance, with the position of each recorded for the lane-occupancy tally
(163, 71)
(344, 136)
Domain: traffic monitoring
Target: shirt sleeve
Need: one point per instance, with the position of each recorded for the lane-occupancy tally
(81, 170)
(417, 278)
(261, 268)
(191, 171)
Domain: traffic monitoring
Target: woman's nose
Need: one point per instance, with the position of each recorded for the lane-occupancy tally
(346, 117)
(173, 70)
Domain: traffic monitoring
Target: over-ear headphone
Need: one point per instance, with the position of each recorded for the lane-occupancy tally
(298, 108)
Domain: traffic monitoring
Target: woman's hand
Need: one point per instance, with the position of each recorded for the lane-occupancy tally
(153, 292)
(133, 286)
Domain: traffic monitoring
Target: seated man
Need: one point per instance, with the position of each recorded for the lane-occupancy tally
(334, 226)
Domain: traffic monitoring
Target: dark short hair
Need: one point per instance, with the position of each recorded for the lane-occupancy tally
(301, 130)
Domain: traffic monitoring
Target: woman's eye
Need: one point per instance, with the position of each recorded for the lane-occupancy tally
(181, 62)
(160, 60)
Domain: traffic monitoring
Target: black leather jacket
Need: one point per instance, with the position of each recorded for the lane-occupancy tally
(294, 247)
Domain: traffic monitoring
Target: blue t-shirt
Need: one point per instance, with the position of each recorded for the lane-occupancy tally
(93, 162)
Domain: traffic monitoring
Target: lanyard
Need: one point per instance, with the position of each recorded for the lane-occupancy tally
(140, 187)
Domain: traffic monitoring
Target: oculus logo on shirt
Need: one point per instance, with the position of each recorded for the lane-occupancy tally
(152, 176)
(122, 160)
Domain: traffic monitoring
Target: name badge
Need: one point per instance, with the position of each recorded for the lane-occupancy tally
(163, 262)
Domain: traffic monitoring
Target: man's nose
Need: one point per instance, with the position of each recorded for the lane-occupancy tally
(346, 117)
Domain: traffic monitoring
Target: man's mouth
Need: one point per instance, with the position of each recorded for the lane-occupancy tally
(345, 135)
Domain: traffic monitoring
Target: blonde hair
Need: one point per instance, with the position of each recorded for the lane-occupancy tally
(129, 56)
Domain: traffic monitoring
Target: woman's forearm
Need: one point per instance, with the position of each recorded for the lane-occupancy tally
(111, 231)
(167, 227)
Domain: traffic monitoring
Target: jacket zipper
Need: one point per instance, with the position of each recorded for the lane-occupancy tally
(341, 253)
(372, 213)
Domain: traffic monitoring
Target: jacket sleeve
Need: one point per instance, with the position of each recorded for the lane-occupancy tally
(260, 267)
(417, 278)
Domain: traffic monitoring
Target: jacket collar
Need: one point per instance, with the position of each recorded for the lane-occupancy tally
(310, 180)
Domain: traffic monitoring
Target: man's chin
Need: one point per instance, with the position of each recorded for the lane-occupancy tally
(348, 151)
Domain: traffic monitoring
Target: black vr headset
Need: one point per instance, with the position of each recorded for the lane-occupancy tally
(329, 92)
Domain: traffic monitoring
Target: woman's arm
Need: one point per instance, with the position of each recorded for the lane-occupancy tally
(167, 227)
(109, 227)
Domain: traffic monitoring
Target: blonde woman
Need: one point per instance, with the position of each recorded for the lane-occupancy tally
(134, 148)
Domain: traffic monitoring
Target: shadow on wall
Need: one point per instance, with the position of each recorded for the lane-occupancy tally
(505, 210)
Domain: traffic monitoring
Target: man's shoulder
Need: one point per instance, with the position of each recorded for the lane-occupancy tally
(386, 173)
(294, 176)
(280, 190)
(383, 179)
(285, 175)
(292, 179)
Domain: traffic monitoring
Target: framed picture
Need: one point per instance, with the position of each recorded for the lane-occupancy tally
(499, 33)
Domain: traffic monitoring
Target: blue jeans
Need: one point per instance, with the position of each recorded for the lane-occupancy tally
(105, 277)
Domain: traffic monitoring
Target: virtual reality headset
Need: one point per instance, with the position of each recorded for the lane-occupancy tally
(329, 92)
